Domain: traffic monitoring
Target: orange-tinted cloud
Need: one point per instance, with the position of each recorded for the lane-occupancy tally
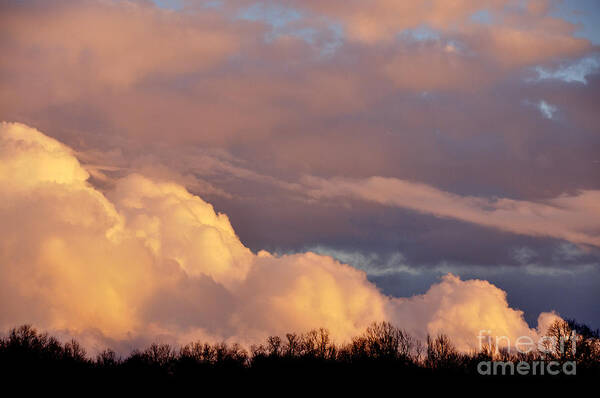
(158, 104)
(150, 260)
(119, 43)
(206, 77)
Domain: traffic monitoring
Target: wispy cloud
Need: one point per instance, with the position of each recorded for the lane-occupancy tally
(575, 218)
(574, 72)
(546, 109)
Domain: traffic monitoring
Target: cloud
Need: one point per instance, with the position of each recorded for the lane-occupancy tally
(119, 43)
(148, 260)
(237, 110)
(546, 109)
(461, 309)
(575, 218)
(123, 66)
(202, 79)
(527, 32)
(371, 263)
(574, 72)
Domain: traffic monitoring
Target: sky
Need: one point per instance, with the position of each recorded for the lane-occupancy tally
(230, 169)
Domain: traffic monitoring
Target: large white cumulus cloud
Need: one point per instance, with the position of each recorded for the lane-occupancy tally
(148, 260)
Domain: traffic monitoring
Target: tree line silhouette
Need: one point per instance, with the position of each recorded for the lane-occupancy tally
(382, 351)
